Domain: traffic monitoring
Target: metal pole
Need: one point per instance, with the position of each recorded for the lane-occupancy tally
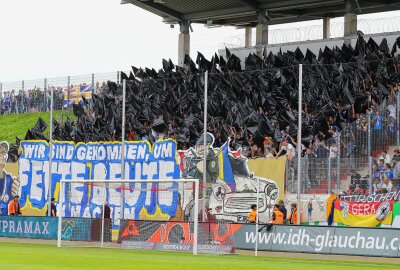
(93, 84)
(370, 175)
(299, 141)
(329, 175)
(50, 155)
(369, 153)
(338, 177)
(196, 215)
(23, 87)
(44, 95)
(398, 117)
(257, 203)
(205, 145)
(68, 90)
(123, 149)
(369, 135)
(60, 202)
(102, 226)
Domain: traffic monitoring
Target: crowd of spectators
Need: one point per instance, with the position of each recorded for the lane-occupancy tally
(27, 101)
(255, 111)
(347, 140)
(385, 175)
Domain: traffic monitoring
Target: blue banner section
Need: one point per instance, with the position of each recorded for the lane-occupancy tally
(101, 160)
(28, 227)
(72, 229)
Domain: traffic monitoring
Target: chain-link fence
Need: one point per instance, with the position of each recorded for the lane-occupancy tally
(344, 163)
(253, 126)
(34, 95)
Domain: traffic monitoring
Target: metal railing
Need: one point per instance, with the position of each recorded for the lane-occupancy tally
(34, 95)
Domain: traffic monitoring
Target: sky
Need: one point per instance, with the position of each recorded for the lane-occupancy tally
(54, 38)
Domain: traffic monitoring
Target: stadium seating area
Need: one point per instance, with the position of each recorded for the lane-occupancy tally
(256, 108)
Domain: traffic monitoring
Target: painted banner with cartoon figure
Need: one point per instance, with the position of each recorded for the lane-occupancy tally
(230, 191)
(359, 214)
(232, 181)
(9, 182)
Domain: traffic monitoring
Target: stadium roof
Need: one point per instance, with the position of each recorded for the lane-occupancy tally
(244, 12)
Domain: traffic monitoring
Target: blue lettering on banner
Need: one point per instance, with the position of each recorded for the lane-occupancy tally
(100, 161)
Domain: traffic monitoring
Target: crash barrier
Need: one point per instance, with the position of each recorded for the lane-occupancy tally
(47, 227)
(380, 242)
(217, 237)
(28, 227)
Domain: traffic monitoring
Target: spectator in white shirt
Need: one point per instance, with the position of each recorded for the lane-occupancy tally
(385, 157)
(333, 154)
(290, 151)
(387, 184)
(392, 111)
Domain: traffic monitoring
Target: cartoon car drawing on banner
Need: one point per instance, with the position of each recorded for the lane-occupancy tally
(231, 187)
(234, 205)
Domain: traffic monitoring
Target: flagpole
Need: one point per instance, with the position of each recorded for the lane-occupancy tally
(49, 195)
(205, 145)
(299, 143)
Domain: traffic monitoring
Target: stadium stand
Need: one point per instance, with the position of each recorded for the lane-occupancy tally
(256, 109)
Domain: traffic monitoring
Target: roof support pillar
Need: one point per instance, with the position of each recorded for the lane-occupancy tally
(350, 20)
(261, 31)
(248, 36)
(326, 28)
(183, 42)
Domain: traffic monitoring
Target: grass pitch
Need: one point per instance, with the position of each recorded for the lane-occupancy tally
(18, 124)
(43, 257)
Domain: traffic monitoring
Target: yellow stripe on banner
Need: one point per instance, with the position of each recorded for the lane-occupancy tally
(360, 220)
(221, 166)
(270, 168)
